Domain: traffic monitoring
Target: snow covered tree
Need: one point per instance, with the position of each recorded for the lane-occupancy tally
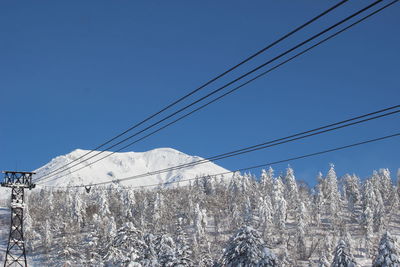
(348, 239)
(332, 194)
(398, 181)
(158, 211)
(142, 221)
(374, 190)
(127, 246)
(48, 235)
(280, 205)
(245, 182)
(351, 191)
(165, 249)
(129, 202)
(111, 226)
(292, 191)
(388, 252)
(93, 250)
(235, 214)
(234, 184)
(328, 246)
(150, 257)
(264, 213)
(30, 233)
(301, 226)
(267, 181)
(247, 249)
(200, 222)
(104, 207)
(385, 185)
(342, 256)
(78, 209)
(183, 252)
(247, 211)
(319, 202)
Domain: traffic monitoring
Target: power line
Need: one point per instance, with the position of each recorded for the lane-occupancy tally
(241, 77)
(234, 89)
(210, 81)
(264, 145)
(271, 163)
(279, 141)
(284, 160)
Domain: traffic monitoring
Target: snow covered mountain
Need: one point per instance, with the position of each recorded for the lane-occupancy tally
(127, 164)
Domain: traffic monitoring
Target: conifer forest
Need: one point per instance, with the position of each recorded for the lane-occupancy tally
(240, 220)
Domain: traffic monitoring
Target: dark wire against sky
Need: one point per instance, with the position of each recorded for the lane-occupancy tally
(96, 69)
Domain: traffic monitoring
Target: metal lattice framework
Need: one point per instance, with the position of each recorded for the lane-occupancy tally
(17, 181)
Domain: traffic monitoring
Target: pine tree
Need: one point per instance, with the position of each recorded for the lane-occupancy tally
(200, 222)
(301, 226)
(267, 181)
(247, 249)
(342, 256)
(78, 209)
(280, 205)
(126, 247)
(129, 202)
(235, 216)
(264, 213)
(388, 252)
(292, 191)
(93, 249)
(348, 239)
(247, 211)
(398, 181)
(352, 191)
(150, 255)
(48, 235)
(29, 231)
(385, 185)
(319, 201)
(332, 194)
(328, 246)
(183, 252)
(111, 226)
(104, 207)
(234, 184)
(374, 190)
(165, 249)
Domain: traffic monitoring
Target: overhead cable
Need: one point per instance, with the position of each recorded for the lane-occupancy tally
(207, 83)
(263, 165)
(234, 89)
(268, 144)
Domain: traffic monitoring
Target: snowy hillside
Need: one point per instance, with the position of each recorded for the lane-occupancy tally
(267, 220)
(121, 165)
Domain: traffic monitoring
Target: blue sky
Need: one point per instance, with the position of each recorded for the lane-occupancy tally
(75, 73)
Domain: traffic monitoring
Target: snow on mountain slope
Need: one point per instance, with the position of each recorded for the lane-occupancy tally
(121, 165)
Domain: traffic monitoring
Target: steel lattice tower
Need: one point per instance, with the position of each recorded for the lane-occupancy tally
(18, 181)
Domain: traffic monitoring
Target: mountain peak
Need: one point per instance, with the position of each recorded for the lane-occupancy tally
(127, 164)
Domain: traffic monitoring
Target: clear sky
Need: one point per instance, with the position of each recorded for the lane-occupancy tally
(75, 73)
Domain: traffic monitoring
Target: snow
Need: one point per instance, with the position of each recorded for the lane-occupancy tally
(4, 193)
(126, 164)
